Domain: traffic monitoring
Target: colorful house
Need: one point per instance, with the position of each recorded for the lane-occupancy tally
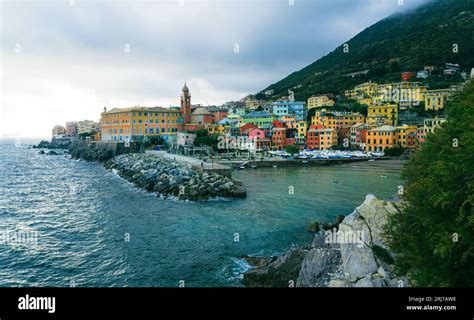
(201, 117)
(432, 124)
(290, 121)
(256, 133)
(279, 138)
(382, 114)
(218, 113)
(380, 138)
(436, 99)
(335, 119)
(358, 136)
(244, 128)
(138, 122)
(319, 102)
(320, 138)
(362, 93)
(296, 108)
(301, 127)
(406, 136)
(260, 118)
(420, 134)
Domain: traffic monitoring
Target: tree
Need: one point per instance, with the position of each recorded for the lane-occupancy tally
(433, 236)
(394, 152)
(292, 149)
(84, 135)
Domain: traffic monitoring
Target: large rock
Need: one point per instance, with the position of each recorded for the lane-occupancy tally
(367, 221)
(280, 272)
(339, 258)
(316, 267)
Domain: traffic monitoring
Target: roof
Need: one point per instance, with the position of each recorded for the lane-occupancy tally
(384, 128)
(201, 111)
(140, 109)
(216, 109)
(358, 125)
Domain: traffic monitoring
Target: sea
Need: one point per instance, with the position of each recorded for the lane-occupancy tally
(70, 223)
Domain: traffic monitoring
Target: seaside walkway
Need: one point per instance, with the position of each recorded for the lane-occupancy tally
(209, 166)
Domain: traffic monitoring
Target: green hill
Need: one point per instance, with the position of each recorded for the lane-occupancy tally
(406, 41)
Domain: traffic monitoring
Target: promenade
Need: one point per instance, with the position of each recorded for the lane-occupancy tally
(209, 166)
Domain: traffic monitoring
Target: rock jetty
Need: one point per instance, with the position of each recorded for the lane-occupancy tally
(352, 254)
(168, 178)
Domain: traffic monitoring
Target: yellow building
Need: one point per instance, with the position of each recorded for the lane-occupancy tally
(432, 124)
(319, 102)
(362, 93)
(138, 122)
(327, 138)
(403, 93)
(218, 129)
(335, 119)
(253, 104)
(302, 127)
(290, 121)
(380, 138)
(436, 99)
(378, 114)
(405, 136)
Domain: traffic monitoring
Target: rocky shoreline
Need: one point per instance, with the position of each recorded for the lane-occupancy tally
(54, 144)
(351, 254)
(171, 179)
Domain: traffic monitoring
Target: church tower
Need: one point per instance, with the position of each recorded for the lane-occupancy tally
(186, 104)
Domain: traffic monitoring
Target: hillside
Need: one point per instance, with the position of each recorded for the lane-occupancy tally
(402, 42)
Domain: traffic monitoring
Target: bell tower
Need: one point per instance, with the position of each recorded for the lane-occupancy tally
(186, 104)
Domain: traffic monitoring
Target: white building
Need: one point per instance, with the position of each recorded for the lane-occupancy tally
(185, 139)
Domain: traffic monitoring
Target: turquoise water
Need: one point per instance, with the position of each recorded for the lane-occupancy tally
(83, 215)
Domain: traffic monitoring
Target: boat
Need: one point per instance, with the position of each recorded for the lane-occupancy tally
(371, 160)
(275, 166)
(241, 167)
(304, 161)
(254, 166)
(383, 176)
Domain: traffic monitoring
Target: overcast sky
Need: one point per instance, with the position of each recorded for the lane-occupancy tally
(66, 60)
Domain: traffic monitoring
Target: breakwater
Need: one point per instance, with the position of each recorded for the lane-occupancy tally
(169, 178)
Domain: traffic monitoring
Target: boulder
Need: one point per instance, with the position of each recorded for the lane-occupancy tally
(316, 266)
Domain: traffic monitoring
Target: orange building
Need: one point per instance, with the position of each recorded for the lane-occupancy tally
(279, 138)
(290, 122)
(138, 122)
(322, 139)
(380, 138)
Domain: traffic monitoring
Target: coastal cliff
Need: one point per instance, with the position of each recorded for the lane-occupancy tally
(352, 254)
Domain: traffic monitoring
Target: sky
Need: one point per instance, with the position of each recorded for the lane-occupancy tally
(65, 60)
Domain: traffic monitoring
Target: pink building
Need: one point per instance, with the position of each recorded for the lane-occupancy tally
(420, 134)
(256, 133)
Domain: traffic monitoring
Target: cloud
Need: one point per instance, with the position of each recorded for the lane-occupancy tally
(73, 60)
